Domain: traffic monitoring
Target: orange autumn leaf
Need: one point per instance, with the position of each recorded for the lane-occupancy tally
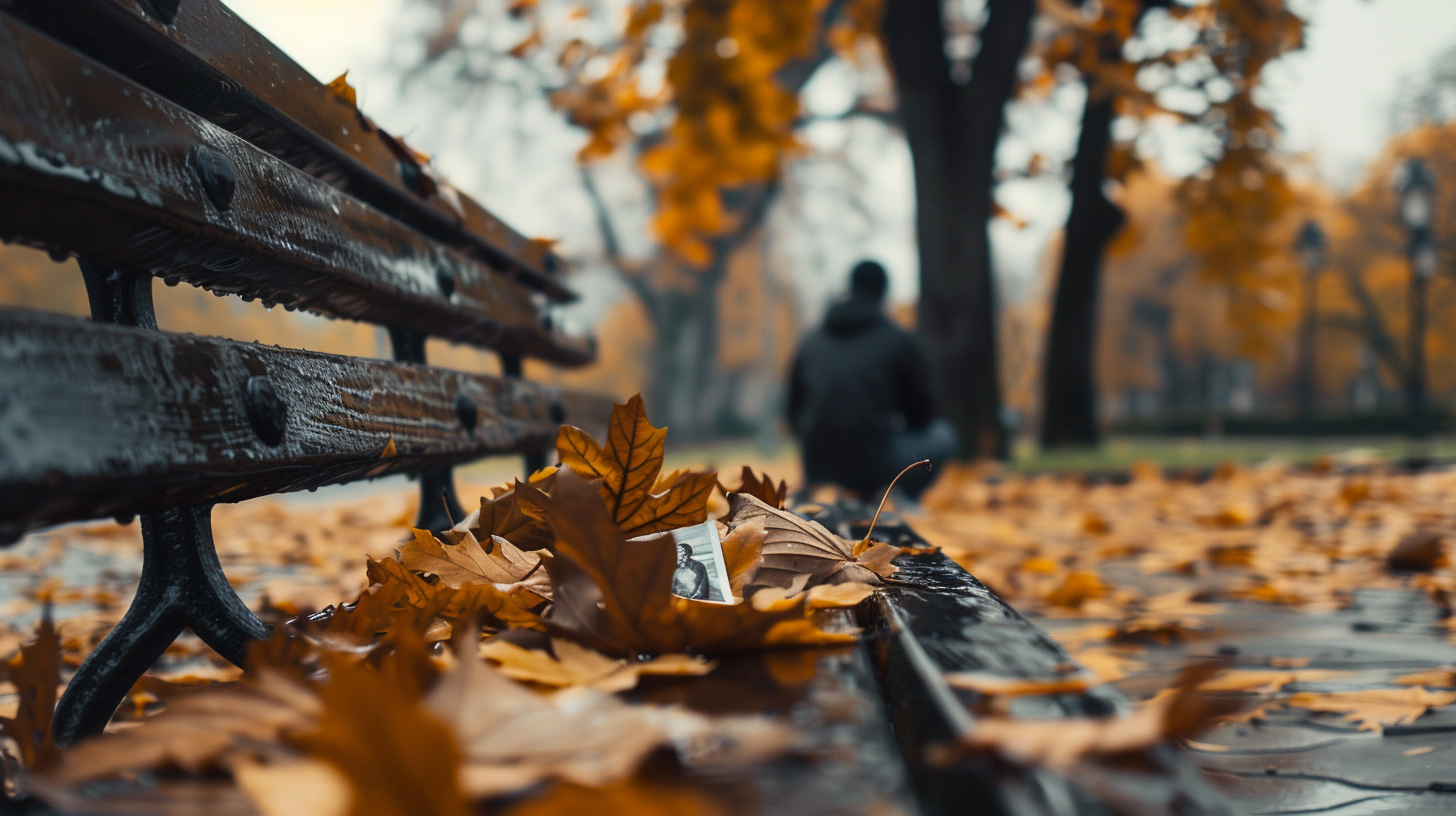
(399, 598)
(743, 553)
(794, 546)
(399, 758)
(498, 561)
(761, 488)
(341, 90)
(513, 514)
(571, 664)
(629, 466)
(616, 594)
(36, 672)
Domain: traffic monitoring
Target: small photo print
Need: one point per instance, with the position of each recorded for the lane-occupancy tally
(701, 574)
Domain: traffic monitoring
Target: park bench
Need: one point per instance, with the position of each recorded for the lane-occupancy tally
(166, 138)
(149, 140)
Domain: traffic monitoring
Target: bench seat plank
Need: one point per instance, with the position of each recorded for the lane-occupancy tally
(93, 164)
(99, 420)
(210, 62)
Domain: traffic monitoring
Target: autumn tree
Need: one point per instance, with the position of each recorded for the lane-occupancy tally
(953, 123)
(1207, 78)
(709, 140)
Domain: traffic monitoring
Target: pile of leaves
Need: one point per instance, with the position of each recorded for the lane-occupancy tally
(1123, 573)
(482, 664)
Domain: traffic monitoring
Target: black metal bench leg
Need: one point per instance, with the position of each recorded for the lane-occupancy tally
(182, 585)
(512, 366)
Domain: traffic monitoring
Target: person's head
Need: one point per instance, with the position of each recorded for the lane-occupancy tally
(684, 553)
(868, 280)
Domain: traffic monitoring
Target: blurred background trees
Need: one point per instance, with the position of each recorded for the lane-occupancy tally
(1086, 207)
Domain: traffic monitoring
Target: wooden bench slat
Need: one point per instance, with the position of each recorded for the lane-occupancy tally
(209, 61)
(94, 164)
(98, 420)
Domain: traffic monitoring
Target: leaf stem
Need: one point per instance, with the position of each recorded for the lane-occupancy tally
(884, 498)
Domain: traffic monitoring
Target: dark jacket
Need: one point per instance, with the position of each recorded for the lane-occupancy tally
(850, 379)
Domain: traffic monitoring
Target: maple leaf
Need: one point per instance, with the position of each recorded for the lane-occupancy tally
(794, 546)
(762, 489)
(576, 665)
(399, 758)
(629, 466)
(616, 594)
(497, 562)
(36, 672)
(514, 738)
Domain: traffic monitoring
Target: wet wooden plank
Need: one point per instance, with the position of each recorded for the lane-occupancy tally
(98, 420)
(93, 164)
(204, 58)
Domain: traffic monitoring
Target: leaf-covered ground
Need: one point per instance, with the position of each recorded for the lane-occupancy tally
(1322, 592)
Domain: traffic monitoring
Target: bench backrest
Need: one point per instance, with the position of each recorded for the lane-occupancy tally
(169, 139)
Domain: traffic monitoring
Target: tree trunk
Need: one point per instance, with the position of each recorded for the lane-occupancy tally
(1069, 405)
(952, 131)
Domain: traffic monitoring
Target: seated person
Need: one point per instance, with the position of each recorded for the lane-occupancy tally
(859, 397)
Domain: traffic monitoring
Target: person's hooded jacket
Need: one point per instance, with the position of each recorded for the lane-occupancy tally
(850, 380)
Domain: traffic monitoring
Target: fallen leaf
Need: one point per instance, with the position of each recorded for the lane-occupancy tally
(1443, 677)
(514, 738)
(399, 758)
(340, 89)
(629, 466)
(576, 665)
(302, 786)
(199, 730)
(1425, 749)
(742, 554)
(513, 514)
(761, 488)
(1266, 681)
(36, 672)
(1059, 744)
(467, 562)
(1417, 551)
(398, 597)
(638, 797)
(794, 546)
(1373, 709)
(615, 594)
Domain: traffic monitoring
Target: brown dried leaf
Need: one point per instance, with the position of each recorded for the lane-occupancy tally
(794, 546)
(399, 758)
(510, 514)
(1060, 744)
(36, 672)
(199, 730)
(397, 597)
(340, 89)
(1373, 709)
(629, 466)
(743, 553)
(761, 488)
(467, 562)
(514, 738)
(615, 594)
(576, 665)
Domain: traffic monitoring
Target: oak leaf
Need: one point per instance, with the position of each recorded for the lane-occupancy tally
(36, 672)
(629, 467)
(616, 594)
(794, 546)
(761, 488)
(497, 562)
(398, 598)
(576, 665)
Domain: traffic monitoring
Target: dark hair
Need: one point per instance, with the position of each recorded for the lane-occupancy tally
(868, 279)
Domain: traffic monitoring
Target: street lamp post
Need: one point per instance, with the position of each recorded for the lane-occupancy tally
(1311, 245)
(1417, 190)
